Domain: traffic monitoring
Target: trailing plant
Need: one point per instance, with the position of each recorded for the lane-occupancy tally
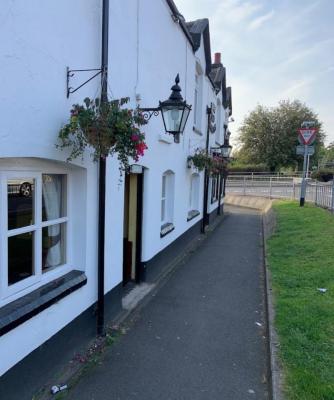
(107, 128)
(200, 160)
(218, 165)
(215, 164)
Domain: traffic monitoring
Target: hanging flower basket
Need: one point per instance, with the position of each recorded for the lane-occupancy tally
(200, 160)
(218, 165)
(107, 128)
(215, 164)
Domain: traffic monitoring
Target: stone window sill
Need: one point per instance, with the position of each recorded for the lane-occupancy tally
(166, 138)
(26, 307)
(196, 130)
(192, 214)
(166, 229)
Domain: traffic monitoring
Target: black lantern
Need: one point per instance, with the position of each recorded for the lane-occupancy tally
(175, 111)
(226, 150)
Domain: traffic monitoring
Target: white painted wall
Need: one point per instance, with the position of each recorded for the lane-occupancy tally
(146, 50)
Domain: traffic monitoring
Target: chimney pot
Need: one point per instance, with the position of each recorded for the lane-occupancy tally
(218, 57)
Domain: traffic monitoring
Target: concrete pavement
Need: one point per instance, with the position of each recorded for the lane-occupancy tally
(202, 334)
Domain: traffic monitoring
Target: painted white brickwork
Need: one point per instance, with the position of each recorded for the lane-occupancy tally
(39, 39)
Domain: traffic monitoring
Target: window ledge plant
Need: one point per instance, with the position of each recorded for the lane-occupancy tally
(108, 128)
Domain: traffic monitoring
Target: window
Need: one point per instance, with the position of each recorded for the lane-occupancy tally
(167, 202)
(193, 197)
(198, 99)
(218, 123)
(33, 227)
(215, 187)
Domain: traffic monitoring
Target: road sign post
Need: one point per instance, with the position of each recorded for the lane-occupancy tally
(303, 187)
(306, 136)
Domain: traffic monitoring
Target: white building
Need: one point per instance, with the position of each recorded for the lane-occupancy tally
(49, 207)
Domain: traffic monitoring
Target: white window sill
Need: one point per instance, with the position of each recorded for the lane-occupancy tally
(166, 229)
(198, 131)
(165, 138)
(26, 307)
(192, 214)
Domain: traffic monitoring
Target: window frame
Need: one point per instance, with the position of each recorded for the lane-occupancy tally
(168, 199)
(218, 134)
(194, 192)
(215, 185)
(163, 215)
(198, 99)
(11, 292)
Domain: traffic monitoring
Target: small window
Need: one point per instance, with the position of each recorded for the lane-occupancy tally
(198, 99)
(215, 188)
(193, 207)
(218, 136)
(167, 200)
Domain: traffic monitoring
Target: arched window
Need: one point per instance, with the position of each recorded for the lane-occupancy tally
(167, 202)
(193, 207)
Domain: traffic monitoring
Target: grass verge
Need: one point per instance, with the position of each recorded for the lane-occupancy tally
(301, 260)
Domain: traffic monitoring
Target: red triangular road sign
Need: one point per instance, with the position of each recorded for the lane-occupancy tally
(307, 135)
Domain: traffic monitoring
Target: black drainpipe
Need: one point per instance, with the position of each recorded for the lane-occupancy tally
(102, 174)
(220, 192)
(206, 175)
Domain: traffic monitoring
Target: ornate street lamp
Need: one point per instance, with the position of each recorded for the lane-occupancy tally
(226, 150)
(175, 112)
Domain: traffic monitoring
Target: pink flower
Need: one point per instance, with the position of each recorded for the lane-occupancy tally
(140, 148)
(134, 138)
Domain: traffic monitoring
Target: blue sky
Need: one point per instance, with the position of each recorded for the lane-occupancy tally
(273, 50)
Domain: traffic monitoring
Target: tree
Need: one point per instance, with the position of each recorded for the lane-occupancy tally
(269, 135)
(327, 158)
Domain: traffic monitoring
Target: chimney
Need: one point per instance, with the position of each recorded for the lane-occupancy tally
(218, 57)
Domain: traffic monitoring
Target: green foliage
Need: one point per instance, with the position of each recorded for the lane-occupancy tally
(269, 135)
(215, 164)
(300, 256)
(200, 160)
(236, 167)
(107, 128)
(323, 175)
(327, 155)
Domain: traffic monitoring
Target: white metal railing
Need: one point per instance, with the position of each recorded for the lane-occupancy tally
(287, 187)
(278, 174)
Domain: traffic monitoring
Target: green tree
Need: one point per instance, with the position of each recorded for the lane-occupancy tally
(328, 155)
(269, 135)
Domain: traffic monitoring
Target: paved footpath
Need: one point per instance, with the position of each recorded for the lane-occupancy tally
(198, 337)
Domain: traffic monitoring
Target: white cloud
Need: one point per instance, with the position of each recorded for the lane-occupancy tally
(259, 21)
(293, 59)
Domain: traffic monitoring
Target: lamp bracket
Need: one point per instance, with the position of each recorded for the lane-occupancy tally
(148, 112)
(71, 72)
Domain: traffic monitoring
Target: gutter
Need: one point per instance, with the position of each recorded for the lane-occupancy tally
(102, 175)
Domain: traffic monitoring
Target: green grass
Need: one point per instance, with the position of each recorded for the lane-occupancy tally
(301, 259)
